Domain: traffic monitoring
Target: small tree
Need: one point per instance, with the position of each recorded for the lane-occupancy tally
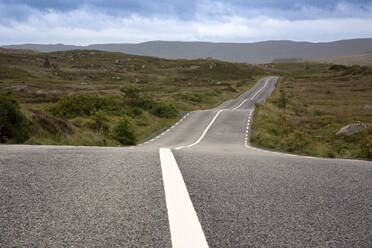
(124, 132)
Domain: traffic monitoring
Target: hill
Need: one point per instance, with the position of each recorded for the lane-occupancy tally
(259, 52)
(354, 59)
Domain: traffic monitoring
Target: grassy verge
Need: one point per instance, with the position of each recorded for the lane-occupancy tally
(311, 103)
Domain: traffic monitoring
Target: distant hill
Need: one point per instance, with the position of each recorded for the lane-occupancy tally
(259, 52)
(354, 59)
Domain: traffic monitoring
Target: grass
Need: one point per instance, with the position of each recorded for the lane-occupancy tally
(61, 101)
(311, 103)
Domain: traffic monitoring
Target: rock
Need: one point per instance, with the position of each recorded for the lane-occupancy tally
(351, 129)
(40, 92)
(92, 53)
(22, 88)
(368, 107)
(319, 137)
(219, 83)
(194, 67)
(119, 61)
(56, 92)
(143, 66)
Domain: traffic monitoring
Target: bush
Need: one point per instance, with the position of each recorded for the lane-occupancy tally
(164, 110)
(124, 132)
(77, 105)
(100, 121)
(13, 124)
(131, 92)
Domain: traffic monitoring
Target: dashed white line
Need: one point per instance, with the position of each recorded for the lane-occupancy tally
(185, 228)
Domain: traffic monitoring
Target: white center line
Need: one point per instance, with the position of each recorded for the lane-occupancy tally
(203, 134)
(185, 228)
(267, 80)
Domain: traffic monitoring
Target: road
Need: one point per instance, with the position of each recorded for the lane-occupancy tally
(199, 184)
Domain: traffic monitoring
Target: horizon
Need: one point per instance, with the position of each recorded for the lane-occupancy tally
(227, 42)
(235, 21)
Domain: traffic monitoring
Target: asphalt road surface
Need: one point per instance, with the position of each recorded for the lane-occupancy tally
(199, 184)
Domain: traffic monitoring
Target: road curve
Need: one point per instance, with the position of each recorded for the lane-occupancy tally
(235, 195)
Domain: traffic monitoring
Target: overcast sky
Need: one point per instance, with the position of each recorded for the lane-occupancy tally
(83, 22)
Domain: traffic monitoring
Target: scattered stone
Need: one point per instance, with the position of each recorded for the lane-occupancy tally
(143, 66)
(351, 129)
(92, 53)
(319, 137)
(119, 61)
(21, 88)
(56, 92)
(116, 78)
(368, 107)
(219, 83)
(40, 92)
(194, 67)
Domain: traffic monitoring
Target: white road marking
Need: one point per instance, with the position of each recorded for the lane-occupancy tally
(267, 80)
(185, 228)
(203, 134)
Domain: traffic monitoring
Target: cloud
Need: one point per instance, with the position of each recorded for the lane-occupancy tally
(225, 22)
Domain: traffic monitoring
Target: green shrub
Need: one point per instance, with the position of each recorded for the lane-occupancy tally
(164, 110)
(124, 132)
(13, 124)
(131, 92)
(77, 105)
(100, 121)
(338, 67)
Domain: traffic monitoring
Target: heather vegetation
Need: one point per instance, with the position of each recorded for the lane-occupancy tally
(311, 103)
(109, 99)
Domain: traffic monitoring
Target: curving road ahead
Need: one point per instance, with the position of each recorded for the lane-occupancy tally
(199, 184)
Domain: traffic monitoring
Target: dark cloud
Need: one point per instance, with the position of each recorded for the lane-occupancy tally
(190, 10)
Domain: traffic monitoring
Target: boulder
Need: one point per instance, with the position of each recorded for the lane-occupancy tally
(56, 92)
(351, 129)
(194, 67)
(368, 107)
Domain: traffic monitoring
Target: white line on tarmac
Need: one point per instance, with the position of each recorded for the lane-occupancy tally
(185, 228)
(267, 80)
(204, 133)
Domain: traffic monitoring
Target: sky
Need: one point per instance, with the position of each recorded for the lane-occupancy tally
(83, 22)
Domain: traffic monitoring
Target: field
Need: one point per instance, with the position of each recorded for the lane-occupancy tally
(311, 103)
(97, 98)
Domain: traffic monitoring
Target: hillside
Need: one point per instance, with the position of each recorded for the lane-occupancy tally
(80, 97)
(259, 52)
(311, 103)
(354, 59)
